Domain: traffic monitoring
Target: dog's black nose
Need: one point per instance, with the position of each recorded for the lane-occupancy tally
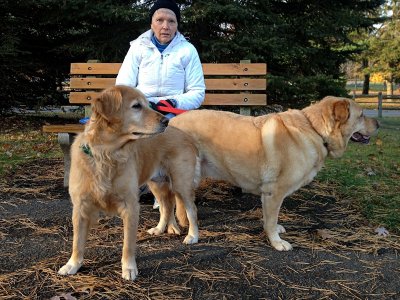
(165, 121)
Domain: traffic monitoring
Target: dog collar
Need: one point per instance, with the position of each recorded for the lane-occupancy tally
(86, 149)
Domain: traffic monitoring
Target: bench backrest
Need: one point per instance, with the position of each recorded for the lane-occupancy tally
(242, 84)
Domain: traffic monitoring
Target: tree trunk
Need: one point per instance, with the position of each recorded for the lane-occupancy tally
(389, 86)
(365, 89)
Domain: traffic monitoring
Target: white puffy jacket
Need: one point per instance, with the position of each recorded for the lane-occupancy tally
(174, 74)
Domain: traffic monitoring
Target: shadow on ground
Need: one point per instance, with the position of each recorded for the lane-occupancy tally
(336, 254)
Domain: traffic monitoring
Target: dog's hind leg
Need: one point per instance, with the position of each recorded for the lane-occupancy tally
(185, 197)
(166, 200)
(81, 222)
(181, 213)
(173, 227)
(271, 204)
(191, 210)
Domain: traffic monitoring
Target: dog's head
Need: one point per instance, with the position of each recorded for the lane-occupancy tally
(339, 119)
(122, 110)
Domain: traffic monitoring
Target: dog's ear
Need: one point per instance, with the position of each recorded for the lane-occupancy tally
(108, 103)
(341, 111)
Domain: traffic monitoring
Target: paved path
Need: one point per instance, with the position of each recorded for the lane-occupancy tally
(385, 113)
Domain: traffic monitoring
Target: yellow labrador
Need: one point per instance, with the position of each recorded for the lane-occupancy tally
(276, 154)
(125, 144)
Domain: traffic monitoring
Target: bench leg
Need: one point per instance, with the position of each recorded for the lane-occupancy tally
(65, 140)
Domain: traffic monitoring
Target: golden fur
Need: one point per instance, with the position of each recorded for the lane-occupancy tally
(272, 155)
(124, 145)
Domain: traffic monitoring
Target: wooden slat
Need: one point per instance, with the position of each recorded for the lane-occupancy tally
(208, 69)
(95, 68)
(69, 128)
(235, 99)
(82, 97)
(91, 83)
(220, 84)
(236, 84)
(234, 69)
(368, 100)
(210, 99)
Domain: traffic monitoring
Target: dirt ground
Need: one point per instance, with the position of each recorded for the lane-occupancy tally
(336, 255)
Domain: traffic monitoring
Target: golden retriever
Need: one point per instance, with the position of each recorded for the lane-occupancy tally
(276, 154)
(125, 144)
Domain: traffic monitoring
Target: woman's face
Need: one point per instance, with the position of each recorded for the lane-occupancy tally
(164, 25)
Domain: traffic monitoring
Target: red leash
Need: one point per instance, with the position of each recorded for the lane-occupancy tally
(167, 107)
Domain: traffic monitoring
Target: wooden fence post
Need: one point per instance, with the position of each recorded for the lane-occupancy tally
(380, 98)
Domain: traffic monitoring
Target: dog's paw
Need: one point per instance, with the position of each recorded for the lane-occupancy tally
(130, 274)
(154, 231)
(173, 229)
(280, 229)
(281, 245)
(69, 268)
(189, 239)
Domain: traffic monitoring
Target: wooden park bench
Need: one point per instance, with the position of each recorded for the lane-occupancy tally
(240, 85)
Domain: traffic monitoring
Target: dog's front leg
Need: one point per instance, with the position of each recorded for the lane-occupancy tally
(271, 203)
(130, 218)
(81, 224)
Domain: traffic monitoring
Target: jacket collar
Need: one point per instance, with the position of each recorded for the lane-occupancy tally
(145, 39)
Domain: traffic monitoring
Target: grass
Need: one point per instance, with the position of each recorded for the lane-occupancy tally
(21, 140)
(19, 148)
(369, 175)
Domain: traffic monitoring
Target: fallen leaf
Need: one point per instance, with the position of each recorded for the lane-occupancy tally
(6, 146)
(370, 172)
(381, 231)
(378, 142)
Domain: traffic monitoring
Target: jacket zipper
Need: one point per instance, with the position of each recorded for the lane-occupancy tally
(160, 74)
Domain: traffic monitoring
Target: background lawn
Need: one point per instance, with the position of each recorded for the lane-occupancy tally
(369, 175)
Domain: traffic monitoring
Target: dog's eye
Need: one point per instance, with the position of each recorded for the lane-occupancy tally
(136, 106)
